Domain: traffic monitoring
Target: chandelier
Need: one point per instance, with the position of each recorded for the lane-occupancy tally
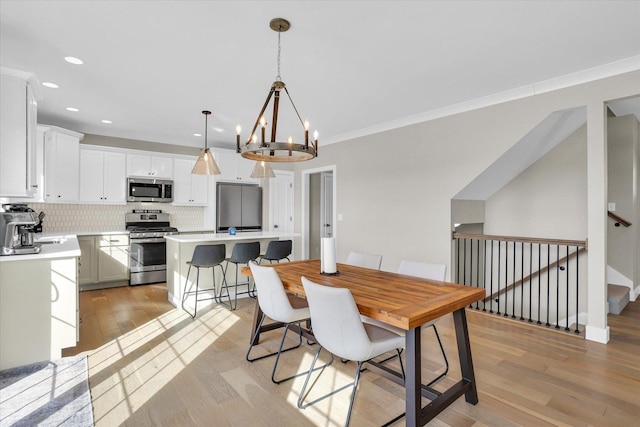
(272, 150)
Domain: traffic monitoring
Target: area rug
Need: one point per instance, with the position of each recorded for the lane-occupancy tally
(54, 393)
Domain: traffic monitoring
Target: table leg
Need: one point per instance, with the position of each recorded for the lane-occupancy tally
(413, 377)
(464, 352)
(257, 315)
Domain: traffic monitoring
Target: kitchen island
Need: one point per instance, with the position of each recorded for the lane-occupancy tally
(39, 302)
(180, 250)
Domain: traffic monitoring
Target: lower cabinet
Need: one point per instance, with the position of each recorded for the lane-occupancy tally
(104, 261)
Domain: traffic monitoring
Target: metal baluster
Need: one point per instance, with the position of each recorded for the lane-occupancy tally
(548, 281)
(566, 328)
(499, 268)
(478, 271)
(491, 282)
(577, 331)
(557, 285)
(530, 279)
(465, 262)
(484, 274)
(506, 278)
(458, 261)
(539, 285)
(471, 266)
(521, 280)
(513, 295)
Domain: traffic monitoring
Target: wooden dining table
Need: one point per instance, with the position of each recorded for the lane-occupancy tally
(406, 302)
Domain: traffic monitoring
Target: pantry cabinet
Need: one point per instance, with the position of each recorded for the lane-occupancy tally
(102, 176)
(18, 121)
(189, 189)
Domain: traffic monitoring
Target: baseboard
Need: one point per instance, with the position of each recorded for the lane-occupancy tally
(600, 335)
(103, 285)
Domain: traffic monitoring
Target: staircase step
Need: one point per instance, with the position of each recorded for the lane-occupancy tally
(617, 297)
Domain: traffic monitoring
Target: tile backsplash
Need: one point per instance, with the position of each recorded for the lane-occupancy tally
(84, 218)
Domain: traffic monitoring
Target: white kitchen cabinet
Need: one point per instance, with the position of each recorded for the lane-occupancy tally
(189, 189)
(88, 261)
(38, 309)
(102, 176)
(103, 259)
(151, 166)
(18, 121)
(61, 165)
(234, 167)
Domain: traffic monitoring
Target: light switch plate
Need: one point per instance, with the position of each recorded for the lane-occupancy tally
(612, 207)
(339, 217)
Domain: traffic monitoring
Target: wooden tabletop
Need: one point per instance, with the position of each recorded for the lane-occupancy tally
(396, 299)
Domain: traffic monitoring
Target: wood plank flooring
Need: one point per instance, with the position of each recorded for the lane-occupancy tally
(151, 364)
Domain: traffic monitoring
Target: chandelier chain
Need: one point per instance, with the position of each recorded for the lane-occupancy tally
(278, 77)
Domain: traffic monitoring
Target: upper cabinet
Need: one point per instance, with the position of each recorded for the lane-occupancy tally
(61, 165)
(233, 167)
(18, 121)
(150, 166)
(189, 189)
(102, 176)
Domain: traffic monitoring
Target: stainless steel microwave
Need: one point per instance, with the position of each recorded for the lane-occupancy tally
(149, 190)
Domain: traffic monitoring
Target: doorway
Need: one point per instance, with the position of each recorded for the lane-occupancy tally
(318, 209)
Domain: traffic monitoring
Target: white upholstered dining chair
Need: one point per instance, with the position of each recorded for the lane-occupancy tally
(360, 259)
(338, 328)
(278, 305)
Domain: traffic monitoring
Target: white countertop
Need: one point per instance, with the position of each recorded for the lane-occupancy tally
(226, 237)
(64, 246)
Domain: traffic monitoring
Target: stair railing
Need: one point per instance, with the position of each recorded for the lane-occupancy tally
(618, 219)
(529, 279)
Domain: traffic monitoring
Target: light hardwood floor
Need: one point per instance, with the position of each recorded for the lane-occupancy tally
(151, 364)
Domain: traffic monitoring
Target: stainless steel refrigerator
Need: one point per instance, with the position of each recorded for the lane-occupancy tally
(239, 206)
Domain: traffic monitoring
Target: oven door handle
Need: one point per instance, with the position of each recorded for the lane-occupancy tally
(147, 240)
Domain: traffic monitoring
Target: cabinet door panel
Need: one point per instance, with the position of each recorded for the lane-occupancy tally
(162, 167)
(182, 181)
(115, 178)
(113, 262)
(91, 179)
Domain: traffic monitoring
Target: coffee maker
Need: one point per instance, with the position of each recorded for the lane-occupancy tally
(16, 230)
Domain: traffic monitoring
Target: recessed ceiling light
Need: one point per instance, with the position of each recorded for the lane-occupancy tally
(107, 121)
(218, 129)
(197, 134)
(73, 60)
(75, 110)
(51, 85)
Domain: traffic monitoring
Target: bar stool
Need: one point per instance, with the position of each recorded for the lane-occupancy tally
(205, 256)
(277, 250)
(242, 253)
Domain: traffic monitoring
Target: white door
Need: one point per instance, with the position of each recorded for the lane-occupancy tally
(281, 202)
(326, 204)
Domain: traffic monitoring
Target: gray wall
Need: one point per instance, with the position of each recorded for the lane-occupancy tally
(548, 199)
(623, 163)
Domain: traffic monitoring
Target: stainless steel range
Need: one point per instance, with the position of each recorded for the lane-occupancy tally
(147, 247)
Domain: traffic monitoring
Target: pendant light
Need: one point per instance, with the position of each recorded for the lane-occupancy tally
(205, 165)
(262, 170)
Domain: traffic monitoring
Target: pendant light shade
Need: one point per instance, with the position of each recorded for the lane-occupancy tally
(262, 170)
(205, 165)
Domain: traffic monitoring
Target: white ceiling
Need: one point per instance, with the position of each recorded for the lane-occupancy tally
(352, 67)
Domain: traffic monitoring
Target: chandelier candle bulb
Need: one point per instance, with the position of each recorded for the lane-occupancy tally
(315, 142)
(290, 141)
(306, 134)
(238, 130)
(263, 123)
